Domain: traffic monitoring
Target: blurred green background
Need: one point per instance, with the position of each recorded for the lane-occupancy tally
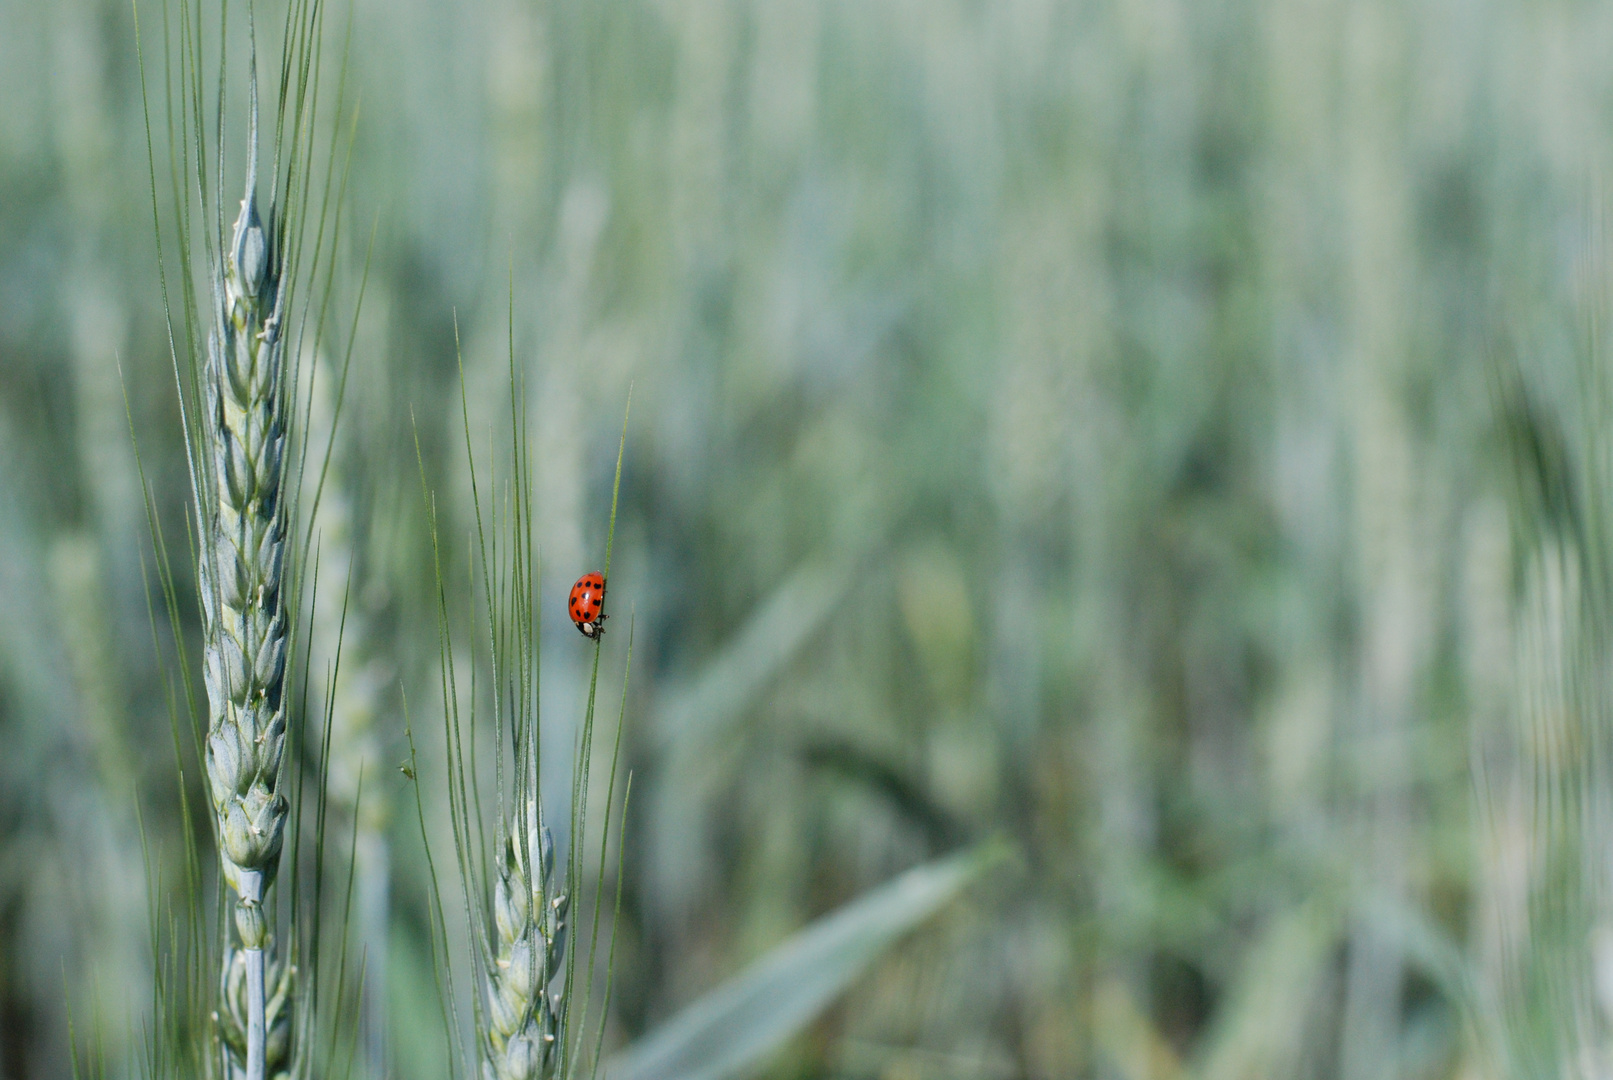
(1168, 434)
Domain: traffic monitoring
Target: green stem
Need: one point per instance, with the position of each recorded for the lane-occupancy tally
(251, 893)
(255, 1035)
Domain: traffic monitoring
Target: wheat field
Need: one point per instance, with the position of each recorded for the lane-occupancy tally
(1110, 524)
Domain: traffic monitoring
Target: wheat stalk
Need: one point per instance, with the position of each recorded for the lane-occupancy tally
(243, 530)
(341, 644)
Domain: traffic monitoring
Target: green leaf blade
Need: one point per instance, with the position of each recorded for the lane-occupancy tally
(731, 1030)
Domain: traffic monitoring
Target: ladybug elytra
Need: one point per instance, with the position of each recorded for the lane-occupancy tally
(587, 604)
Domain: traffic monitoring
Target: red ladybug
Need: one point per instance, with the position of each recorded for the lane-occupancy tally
(587, 604)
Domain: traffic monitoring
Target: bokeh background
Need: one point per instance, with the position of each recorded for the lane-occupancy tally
(1168, 435)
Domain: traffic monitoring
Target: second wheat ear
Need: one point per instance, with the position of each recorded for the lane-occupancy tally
(529, 915)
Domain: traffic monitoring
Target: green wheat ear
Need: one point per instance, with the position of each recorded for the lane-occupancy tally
(233, 346)
(244, 622)
(529, 938)
(526, 1023)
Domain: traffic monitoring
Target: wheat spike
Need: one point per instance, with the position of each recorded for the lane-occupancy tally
(243, 531)
(525, 1036)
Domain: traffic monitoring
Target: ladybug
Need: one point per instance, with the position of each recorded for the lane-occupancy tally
(587, 604)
